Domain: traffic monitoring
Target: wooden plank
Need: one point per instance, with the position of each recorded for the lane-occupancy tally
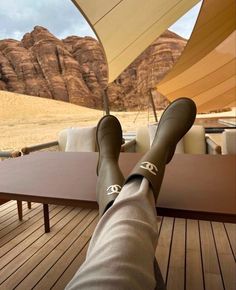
(176, 273)
(13, 223)
(69, 273)
(67, 258)
(6, 206)
(227, 263)
(56, 256)
(163, 245)
(212, 275)
(43, 249)
(9, 213)
(231, 232)
(12, 239)
(38, 240)
(44, 259)
(194, 271)
(14, 248)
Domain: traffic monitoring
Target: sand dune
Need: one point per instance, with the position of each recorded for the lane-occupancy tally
(26, 120)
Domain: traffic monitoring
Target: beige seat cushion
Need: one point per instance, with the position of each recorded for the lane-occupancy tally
(229, 141)
(152, 131)
(194, 140)
(78, 139)
(142, 140)
(62, 138)
(192, 143)
(180, 147)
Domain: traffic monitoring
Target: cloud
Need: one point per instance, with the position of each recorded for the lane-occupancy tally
(60, 17)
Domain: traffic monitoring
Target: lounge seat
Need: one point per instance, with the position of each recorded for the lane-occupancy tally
(69, 140)
(194, 142)
(229, 141)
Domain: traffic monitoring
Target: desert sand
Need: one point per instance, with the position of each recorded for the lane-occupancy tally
(27, 120)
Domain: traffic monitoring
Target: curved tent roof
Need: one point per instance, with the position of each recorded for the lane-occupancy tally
(206, 71)
(127, 27)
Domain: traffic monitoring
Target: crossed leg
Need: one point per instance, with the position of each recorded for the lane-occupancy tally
(122, 249)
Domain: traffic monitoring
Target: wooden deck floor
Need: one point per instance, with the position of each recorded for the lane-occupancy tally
(192, 254)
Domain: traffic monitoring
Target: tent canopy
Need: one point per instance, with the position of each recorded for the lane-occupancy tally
(206, 71)
(126, 28)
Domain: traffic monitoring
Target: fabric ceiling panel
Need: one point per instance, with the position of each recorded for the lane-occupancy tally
(208, 80)
(216, 21)
(225, 100)
(125, 28)
(217, 90)
(206, 83)
(96, 10)
(215, 60)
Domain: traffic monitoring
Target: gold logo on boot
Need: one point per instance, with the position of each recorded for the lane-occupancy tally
(149, 167)
(115, 188)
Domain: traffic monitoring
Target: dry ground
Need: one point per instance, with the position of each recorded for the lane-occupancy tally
(27, 120)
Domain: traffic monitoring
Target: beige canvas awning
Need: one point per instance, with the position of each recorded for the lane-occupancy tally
(127, 27)
(206, 71)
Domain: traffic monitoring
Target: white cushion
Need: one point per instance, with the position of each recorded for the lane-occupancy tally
(152, 131)
(180, 147)
(229, 141)
(77, 139)
(142, 140)
(62, 139)
(194, 140)
(192, 143)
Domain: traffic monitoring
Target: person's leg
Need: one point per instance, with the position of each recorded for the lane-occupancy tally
(175, 122)
(110, 178)
(122, 248)
(121, 251)
(107, 250)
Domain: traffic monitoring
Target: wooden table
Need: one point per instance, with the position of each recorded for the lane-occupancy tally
(192, 183)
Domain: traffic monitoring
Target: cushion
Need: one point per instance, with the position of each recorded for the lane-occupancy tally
(62, 139)
(80, 139)
(142, 140)
(180, 147)
(229, 141)
(194, 140)
(152, 131)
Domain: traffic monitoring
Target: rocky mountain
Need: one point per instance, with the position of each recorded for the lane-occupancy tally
(74, 70)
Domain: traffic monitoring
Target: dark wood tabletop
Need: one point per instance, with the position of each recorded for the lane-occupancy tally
(192, 182)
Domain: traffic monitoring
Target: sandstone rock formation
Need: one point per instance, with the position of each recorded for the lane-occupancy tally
(74, 69)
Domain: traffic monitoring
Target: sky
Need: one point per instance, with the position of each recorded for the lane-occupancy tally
(61, 18)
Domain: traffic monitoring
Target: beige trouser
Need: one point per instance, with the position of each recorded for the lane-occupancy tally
(121, 252)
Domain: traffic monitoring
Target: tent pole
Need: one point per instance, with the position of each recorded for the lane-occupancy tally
(106, 102)
(153, 105)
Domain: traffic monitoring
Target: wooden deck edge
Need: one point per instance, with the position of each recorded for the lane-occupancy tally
(200, 215)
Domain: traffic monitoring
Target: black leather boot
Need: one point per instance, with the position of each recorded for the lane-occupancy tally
(175, 122)
(110, 178)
